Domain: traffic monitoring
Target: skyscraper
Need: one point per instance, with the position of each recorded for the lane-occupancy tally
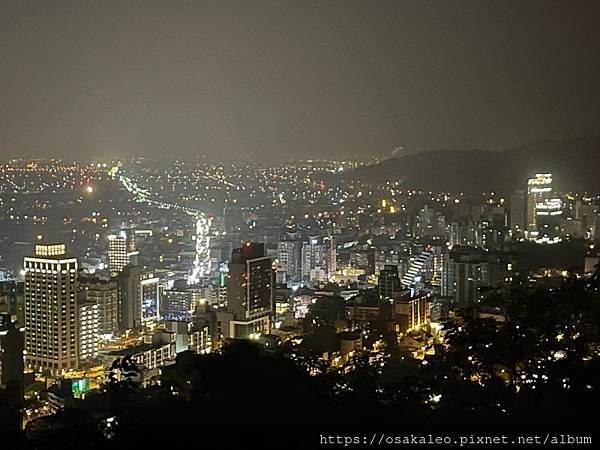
(51, 309)
(539, 189)
(249, 291)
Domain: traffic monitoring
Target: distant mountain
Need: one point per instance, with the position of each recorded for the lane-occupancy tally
(575, 164)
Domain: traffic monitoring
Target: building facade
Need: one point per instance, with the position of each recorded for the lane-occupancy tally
(51, 309)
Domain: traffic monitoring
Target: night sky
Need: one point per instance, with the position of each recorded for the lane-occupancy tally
(285, 79)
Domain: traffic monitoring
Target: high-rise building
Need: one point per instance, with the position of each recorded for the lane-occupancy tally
(51, 309)
(319, 258)
(150, 291)
(390, 286)
(313, 258)
(549, 214)
(105, 295)
(411, 312)
(88, 329)
(466, 271)
(289, 255)
(179, 304)
(539, 189)
(249, 292)
(121, 251)
(129, 298)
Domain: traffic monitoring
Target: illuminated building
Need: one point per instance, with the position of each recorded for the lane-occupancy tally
(313, 258)
(155, 351)
(249, 293)
(105, 295)
(467, 270)
(51, 309)
(121, 251)
(150, 296)
(179, 304)
(539, 189)
(138, 297)
(411, 312)
(289, 258)
(549, 214)
(88, 329)
(420, 267)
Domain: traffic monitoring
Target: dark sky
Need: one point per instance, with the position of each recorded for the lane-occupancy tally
(282, 79)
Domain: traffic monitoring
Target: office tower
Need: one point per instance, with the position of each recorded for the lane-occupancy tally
(121, 251)
(88, 327)
(539, 189)
(129, 296)
(518, 207)
(51, 309)
(389, 283)
(249, 292)
(105, 295)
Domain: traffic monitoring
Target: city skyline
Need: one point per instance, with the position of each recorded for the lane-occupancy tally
(299, 224)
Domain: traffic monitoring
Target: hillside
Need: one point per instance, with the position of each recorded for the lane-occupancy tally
(575, 164)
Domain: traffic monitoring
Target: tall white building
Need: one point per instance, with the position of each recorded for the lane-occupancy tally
(319, 258)
(88, 329)
(51, 309)
(121, 251)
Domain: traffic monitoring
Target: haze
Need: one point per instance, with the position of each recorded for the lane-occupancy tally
(289, 79)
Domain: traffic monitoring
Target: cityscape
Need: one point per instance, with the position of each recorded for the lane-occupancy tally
(300, 298)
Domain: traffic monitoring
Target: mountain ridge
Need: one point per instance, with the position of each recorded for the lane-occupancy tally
(574, 163)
